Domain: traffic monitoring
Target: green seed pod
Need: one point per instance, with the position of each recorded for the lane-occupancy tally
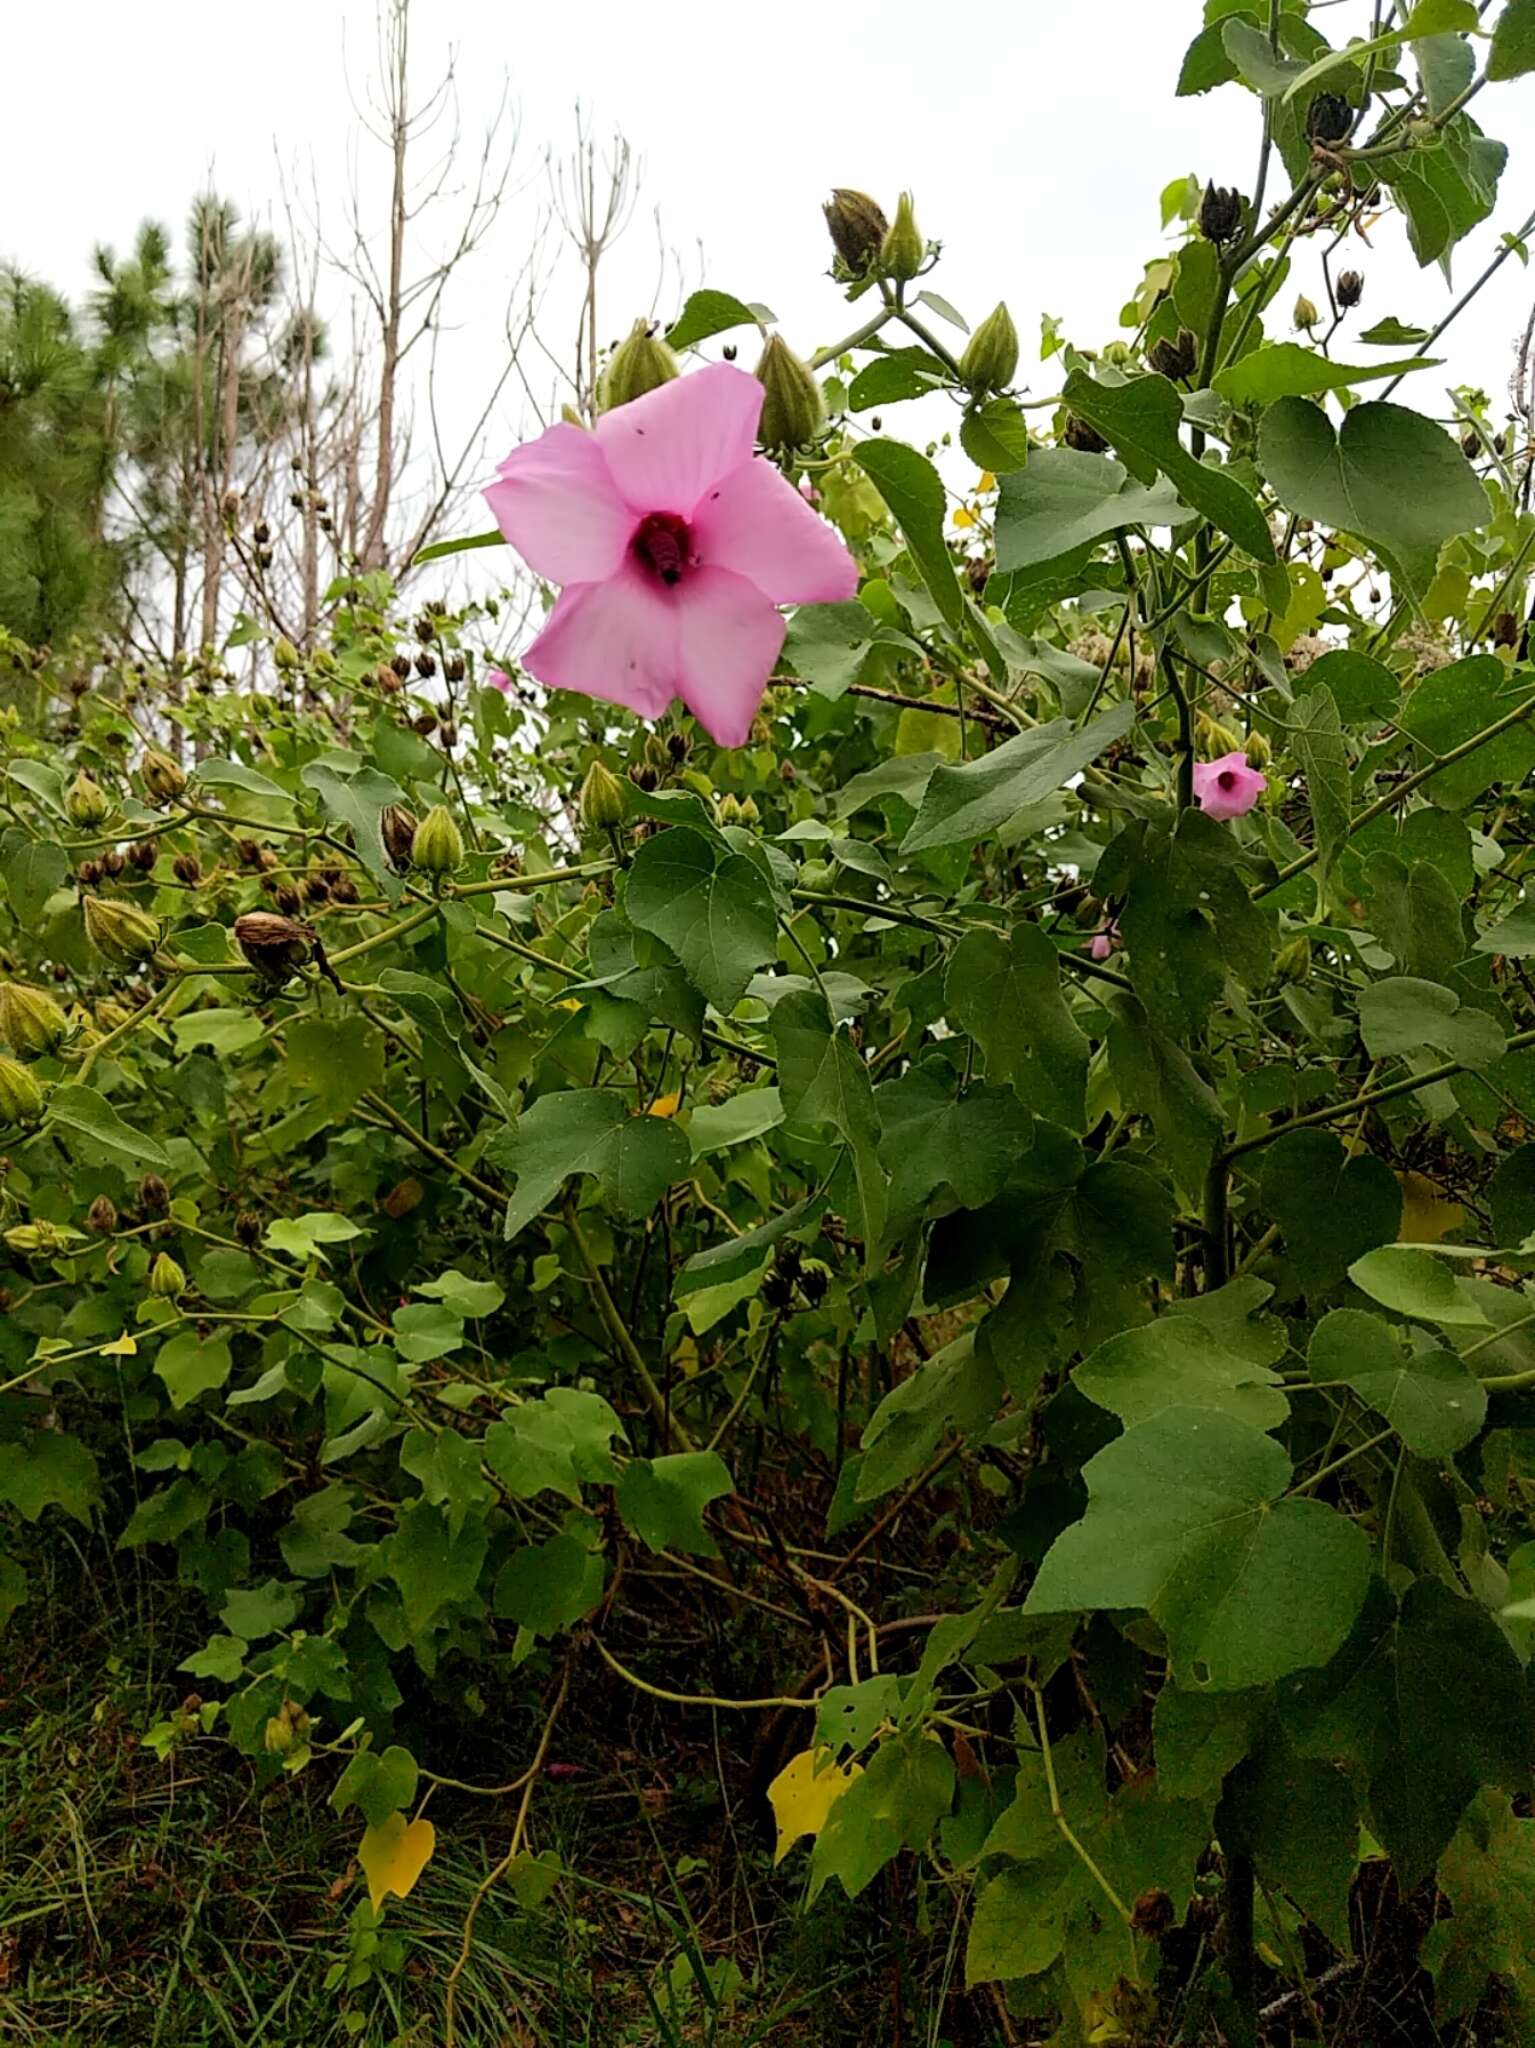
(857, 226)
(39, 1240)
(1305, 315)
(166, 1279)
(30, 1020)
(120, 931)
(438, 847)
(902, 252)
(602, 800)
(792, 409)
(991, 354)
(1212, 740)
(163, 778)
(85, 801)
(640, 364)
(21, 1097)
(285, 654)
(1293, 960)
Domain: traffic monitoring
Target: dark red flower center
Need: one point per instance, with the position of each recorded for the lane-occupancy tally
(1227, 779)
(663, 546)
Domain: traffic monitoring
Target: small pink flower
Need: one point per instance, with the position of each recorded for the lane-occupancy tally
(1102, 944)
(1229, 787)
(498, 679)
(675, 545)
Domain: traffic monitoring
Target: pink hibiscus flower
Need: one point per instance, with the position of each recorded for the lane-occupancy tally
(1229, 787)
(675, 545)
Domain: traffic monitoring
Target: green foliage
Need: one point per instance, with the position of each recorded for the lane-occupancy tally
(924, 1227)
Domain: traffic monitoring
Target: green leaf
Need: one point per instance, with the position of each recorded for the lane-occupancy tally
(976, 799)
(1007, 994)
(249, 781)
(379, 1783)
(1416, 915)
(1248, 48)
(1154, 1073)
(662, 1500)
(898, 374)
(1065, 498)
(48, 1468)
(1394, 1702)
(555, 1445)
(1330, 1208)
(1199, 1738)
(1428, 18)
(955, 1392)
(1141, 421)
(1353, 480)
(1514, 937)
(257, 1611)
(302, 1237)
(1402, 1016)
(1487, 1876)
(1180, 1362)
(1366, 691)
(1513, 41)
(1453, 705)
(1316, 740)
(914, 491)
(715, 1127)
(92, 1117)
(733, 1258)
(1283, 369)
(823, 1080)
(33, 870)
(828, 643)
(711, 906)
(708, 313)
(356, 800)
(1188, 919)
(933, 1139)
(221, 1031)
(1414, 1284)
(339, 1058)
(430, 1566)
(439, 548)
(1428, 1397)
(222, 1658)
(995, 435)
(896, 1804)
(190, 1367)
(1186, 1519)
(546, 1587)
(1298, 1820)
(588, 1131)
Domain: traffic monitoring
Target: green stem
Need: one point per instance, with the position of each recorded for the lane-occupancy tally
(670, 1428)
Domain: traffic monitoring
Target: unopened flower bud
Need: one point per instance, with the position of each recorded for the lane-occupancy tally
(1505, 633)
(166, 1279)
(1306, 315)
(273, 945)
(1350, 290)
(602, 800)
(728, 810)
(750, 814)
(640, 364)
(1175, 358)
(120, 931)
(85, 801)
(438, 847)
(857, 225)
(1212, 739)
(186, 867)
(101, 1216)
(285, 654)
(248, 1228)
(792, 410)
(1257, 749)
(902, 251)
(991, 354)
(1220, 214)
(163, 778)
(1292, 962)
(154, 1197)
(38, 1240)
(21, 1097)
(31, 1022)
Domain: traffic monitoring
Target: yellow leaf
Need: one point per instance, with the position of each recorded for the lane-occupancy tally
(987, 483)
(804, 1793)
(394, 1854)
(686, 1355)
(565, 1003)
(665, 1105)
(963, 516)
(1426, 1217)
(120, 1347)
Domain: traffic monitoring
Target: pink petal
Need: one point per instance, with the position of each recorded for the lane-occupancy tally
(755, 522)
(731, 635)
(498, 679)
(616, 640)
(666, 449)
(557, 504)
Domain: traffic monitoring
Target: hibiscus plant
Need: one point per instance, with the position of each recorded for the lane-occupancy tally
(924, 1091)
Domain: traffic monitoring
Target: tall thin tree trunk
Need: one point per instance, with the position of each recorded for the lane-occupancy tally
(399, 135)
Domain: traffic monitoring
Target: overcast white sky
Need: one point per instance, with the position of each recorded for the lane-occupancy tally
(1035, 133)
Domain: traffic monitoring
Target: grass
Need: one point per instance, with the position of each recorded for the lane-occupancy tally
(180, 1904)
